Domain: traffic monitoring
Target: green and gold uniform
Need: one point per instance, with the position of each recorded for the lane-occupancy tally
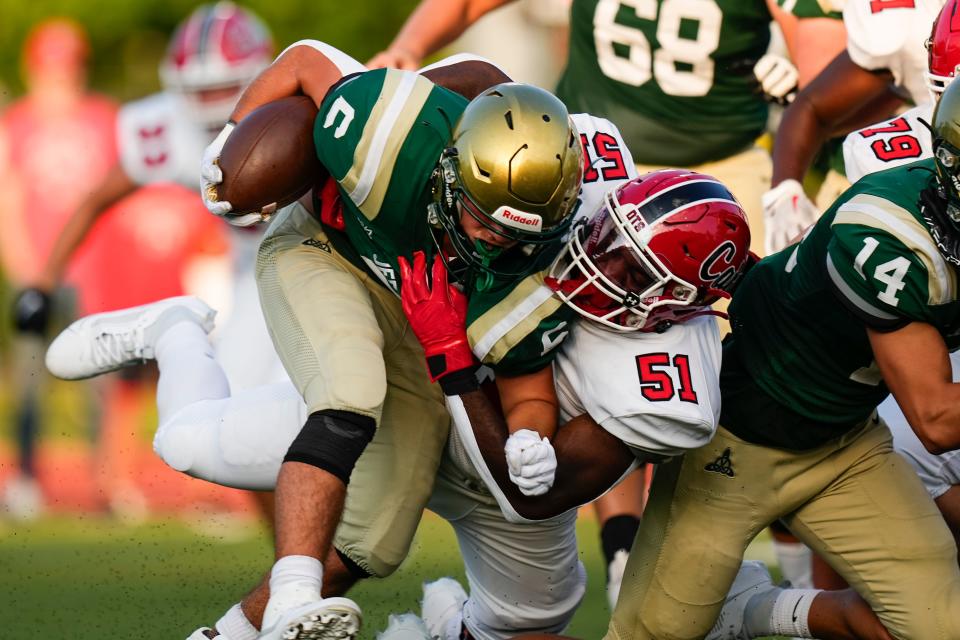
(799, 439)
(799, 316)
(332, 309)
(380, 136)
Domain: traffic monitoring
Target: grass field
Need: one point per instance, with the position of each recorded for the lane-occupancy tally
(91, 579)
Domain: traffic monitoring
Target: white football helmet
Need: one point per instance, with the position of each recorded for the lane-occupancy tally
(212, 56)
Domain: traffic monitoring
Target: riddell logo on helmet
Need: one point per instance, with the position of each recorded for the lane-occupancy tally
(518, 219)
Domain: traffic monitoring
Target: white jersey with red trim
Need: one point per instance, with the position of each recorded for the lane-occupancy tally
(158, 142)
(888, 144)
(609, 162)
(938, 472)
(890, 34)
(659, 393)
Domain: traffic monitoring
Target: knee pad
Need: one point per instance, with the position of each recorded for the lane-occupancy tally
(176, 443)
(332, 440)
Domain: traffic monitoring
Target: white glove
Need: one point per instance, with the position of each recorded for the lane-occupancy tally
(787, 212)
(211, 175)
(531, 461)
(777, 77)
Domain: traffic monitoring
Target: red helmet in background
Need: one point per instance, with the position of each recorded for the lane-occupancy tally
(212, 56)
(663, 248)
(943, 49)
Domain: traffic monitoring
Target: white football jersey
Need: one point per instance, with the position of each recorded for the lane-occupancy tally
(938, 472)
(158, 142)
(890, 34)
(609, 161)
(888, 144)
(657, 392)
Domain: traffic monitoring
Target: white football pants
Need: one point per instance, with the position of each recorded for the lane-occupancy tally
(524, 577)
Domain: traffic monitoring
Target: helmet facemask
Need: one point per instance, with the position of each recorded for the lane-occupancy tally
(619, 284)
(479, 261)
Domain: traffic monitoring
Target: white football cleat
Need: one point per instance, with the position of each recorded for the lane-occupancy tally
(200, 634)
(22, 498)
(615, 572)
(442, 607)
(324, 619)
(109, 341)
(404, 626)
(752, 578)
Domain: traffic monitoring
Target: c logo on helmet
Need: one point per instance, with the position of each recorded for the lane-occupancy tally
(713, 270)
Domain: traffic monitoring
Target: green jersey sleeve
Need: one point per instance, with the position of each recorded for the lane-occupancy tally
(517, 329)
(884, 266)
(813, 8)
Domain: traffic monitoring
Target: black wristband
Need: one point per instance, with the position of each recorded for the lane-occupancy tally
(459, 382)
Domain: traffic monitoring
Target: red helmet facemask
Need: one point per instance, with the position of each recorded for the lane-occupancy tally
(662, 249)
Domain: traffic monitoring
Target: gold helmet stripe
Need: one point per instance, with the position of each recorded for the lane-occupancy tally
(402, 97)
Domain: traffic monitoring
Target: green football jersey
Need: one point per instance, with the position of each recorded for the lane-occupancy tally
(676, 76)
(799, 317)
(516, 328)
(380, 134)
(811, 8)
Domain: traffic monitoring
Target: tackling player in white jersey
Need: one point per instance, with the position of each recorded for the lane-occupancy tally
(211, 57)
(881, 68)
(205, 432)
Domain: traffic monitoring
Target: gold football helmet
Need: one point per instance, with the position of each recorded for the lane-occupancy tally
(515, 164)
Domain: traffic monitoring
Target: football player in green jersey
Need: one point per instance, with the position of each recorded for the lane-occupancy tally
(679, 77)
(492, 183)
(866, 303)
(682, 80)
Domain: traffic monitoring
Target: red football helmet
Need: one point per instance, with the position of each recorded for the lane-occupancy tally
(212, 56)
(663, 248)
(943, 49)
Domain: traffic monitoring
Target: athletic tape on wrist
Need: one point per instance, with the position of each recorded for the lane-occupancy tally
(459, 382)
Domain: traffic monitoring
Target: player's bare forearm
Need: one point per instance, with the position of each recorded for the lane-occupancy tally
(923, 386)
(114, 186)
(469, 78)
(818, 42)
(589, 460)
(299, 70)
(824, 109)
(436, 23)
(530, 402)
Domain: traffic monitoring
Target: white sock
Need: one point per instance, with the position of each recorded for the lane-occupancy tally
(303, 572)
(780, 612)
(796, 563)
(235, 626)
(188, 370)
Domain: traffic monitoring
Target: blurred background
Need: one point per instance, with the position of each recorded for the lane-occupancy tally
(98, 538)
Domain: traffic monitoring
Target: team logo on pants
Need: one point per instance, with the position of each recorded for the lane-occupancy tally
(722, 465)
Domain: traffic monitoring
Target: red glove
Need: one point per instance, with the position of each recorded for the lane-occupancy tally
(438, 317)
